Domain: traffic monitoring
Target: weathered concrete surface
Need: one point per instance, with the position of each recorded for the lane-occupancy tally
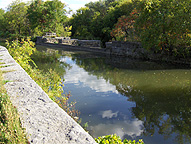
(76, 48)
(70, 42)
(45, 122)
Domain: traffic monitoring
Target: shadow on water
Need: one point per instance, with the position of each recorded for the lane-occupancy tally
(162, 92)
(158, 97)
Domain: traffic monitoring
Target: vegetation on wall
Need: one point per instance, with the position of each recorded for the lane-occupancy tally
(10, 126)
(49, 81)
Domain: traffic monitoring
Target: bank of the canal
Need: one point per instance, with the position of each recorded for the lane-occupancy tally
(43, 120)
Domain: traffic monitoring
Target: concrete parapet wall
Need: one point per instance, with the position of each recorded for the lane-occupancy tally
(72, 42)
(127, 49)
(68, 41)
(89, 43)
(45, 122)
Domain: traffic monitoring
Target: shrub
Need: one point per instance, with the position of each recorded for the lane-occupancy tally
(114, 139)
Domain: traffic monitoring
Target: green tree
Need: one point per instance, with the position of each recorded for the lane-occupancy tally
(97, 19)
(48, 16)
(124, 29)
(36, 16)
(15, 21)
(165, 25)
(2, 26)
(81, 24)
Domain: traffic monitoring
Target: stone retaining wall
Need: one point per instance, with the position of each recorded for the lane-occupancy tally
(121, 49)
(89, 43)
(127, 49)
(45, 122)
(135, 50)
(67, 41)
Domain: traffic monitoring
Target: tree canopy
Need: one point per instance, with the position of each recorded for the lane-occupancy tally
(34, 19)
(160, 25)
(47, 16)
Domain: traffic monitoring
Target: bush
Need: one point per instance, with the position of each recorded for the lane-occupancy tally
(114, 139)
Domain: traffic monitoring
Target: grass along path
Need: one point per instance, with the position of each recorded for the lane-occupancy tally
(10, 125)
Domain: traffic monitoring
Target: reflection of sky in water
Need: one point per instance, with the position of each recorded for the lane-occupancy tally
(78, 75)
(128, 127)
(109, 114)
(103, 107)
(104, 116)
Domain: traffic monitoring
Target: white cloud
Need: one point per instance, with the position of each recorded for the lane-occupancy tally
(76, 4)
(109, 114)
(121, 128)
(75, 7)
(5, 3)
(78, 75)
(73, 4)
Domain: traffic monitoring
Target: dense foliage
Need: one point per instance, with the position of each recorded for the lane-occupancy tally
(97, 19)
(160, 25)
(34, 19)
(47, 16)
(165, 25)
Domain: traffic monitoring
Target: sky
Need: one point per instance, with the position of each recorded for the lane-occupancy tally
(73, 4)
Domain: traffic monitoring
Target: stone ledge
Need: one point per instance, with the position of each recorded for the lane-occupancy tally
(45, 122)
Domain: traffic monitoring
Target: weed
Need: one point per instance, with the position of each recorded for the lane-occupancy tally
(7, 71)
(10, 126)
(5, 66)
(6, 81)
(85, 126)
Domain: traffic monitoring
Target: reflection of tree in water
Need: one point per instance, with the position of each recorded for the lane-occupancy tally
(46, 59)
(169, 112)
(163, 98)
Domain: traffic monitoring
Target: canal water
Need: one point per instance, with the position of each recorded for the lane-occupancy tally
(130, 98)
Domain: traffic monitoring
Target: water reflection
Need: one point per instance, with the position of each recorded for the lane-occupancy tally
(109, 114)
(78, 75)
(130, 98)
(162, 97)
(131, 128)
